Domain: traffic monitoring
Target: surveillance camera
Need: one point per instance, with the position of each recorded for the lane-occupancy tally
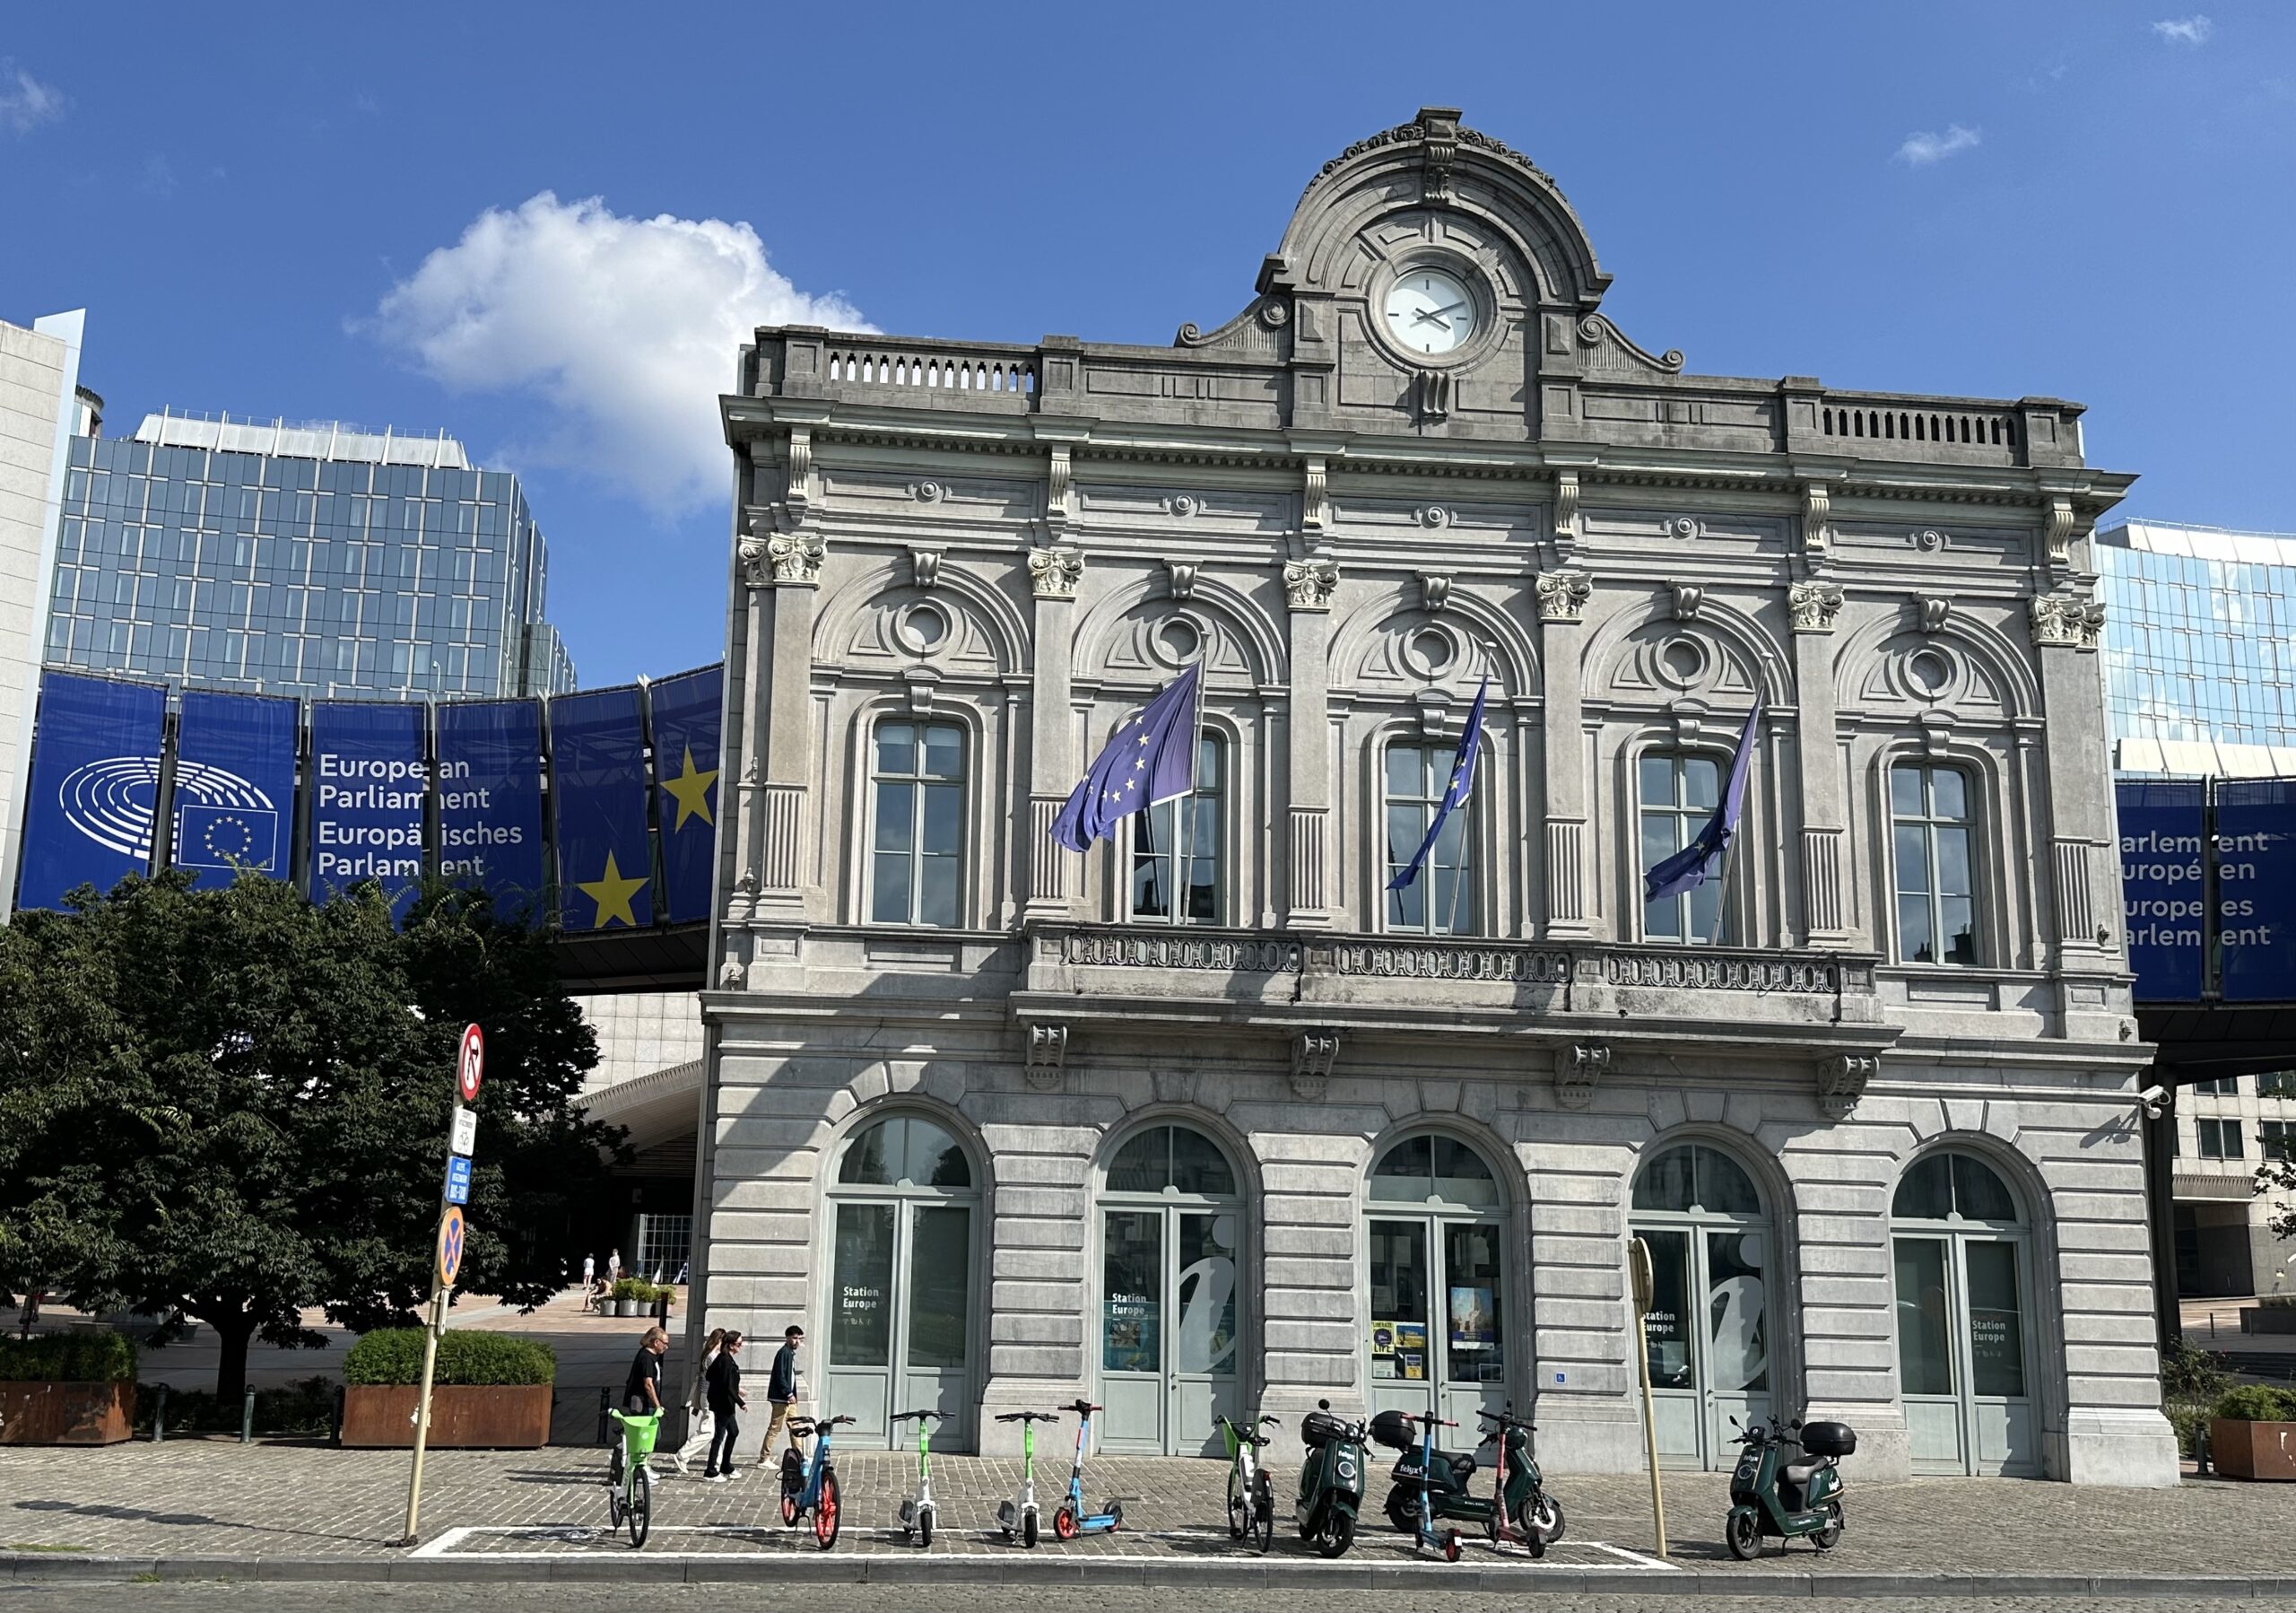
(2150, 1100)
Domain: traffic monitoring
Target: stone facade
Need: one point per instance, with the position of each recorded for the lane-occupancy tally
(1023, 544)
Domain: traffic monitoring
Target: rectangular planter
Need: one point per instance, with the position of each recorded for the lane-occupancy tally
(469, 1416)
(2268, 1319)
(2253, 1450)
(65, 1414)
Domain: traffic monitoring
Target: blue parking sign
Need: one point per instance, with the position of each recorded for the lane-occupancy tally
(457, 1180)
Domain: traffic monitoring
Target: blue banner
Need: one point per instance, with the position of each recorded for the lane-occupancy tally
(2255, 873)
(685, 709)
(2164, 887)
(369, 786)
(490, 801)
(234, 791)
(95, 791)
(606, 861)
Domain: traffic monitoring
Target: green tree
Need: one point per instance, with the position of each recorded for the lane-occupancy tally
(233, 1103)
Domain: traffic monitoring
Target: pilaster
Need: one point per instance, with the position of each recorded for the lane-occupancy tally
(1054, 573)
(2083, 892)
(1309, 584)
(1563, 596)
(1812, 606)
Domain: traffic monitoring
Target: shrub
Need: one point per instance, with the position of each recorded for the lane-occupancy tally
(2257, 1403)
(394, 1356)
(77, 1357)
(634, 1287)
(2188, 1373)
(306, 1406)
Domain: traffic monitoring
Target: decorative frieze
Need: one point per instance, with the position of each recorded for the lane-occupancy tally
(1814, 605)
(1314, 1053)
(2067, 622)
(1842, 1080)
(1579, 1067)
(1053, 572)
(1309, 584)
(1562, 595)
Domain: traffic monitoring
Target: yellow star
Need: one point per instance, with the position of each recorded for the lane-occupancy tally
(611, 893)
(691, 789)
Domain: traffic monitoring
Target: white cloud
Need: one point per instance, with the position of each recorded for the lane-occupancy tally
(25, 103)
(1923, 148)
(627, 327)
(2193, 31)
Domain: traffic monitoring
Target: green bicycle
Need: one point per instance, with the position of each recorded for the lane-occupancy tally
(629, 1487)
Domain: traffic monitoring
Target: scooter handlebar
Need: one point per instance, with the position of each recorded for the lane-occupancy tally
(1027, 1416)
(911, 1417)
(1082, 1408)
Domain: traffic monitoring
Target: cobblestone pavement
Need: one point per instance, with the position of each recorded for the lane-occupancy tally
(193, 1497)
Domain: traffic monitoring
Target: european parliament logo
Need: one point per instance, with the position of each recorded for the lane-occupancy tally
(223, 821)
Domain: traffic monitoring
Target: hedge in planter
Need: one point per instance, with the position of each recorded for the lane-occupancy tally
(492, 1388)
(2254, 1433)
(394, 1356)
(67, 1388)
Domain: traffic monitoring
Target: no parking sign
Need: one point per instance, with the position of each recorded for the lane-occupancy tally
(451, 1228)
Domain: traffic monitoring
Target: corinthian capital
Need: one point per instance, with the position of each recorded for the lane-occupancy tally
(1562, 595)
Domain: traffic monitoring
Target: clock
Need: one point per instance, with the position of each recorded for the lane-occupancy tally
(1429, 311)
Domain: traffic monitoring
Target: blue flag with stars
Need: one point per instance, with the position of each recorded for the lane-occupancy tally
(1150, 759)
(1456, 796)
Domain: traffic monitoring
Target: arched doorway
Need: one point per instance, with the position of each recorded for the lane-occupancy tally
(1435, 1256)
(904, 1209)
(1710, 1326)
(1961, 1260)
(1170, 1238)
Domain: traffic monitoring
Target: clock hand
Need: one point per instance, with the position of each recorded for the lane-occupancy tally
(1431, 318)
(1450, 308)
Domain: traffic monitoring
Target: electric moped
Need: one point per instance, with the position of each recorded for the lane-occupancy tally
(1774, 1496)
(1419, 1472)
(1251, 1502)
(1018, 1516)
(917, 1511)
(810, 1485)
(1071, 1519)
(1331, 1480)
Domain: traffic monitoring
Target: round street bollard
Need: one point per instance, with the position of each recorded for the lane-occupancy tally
(160, 1414)
(247, 1417)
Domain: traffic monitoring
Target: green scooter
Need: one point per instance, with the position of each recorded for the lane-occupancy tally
(1772, 1496)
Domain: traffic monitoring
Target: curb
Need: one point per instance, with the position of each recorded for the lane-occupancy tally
(31, 1568)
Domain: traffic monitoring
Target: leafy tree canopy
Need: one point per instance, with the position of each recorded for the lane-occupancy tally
(233, 1103)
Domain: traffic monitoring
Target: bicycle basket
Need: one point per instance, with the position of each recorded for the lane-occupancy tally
(1227, 1437)
(639, 1432)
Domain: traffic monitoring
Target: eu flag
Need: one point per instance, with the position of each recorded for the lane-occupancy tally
(1150, 759)
(1456, 796)
(1688, 868)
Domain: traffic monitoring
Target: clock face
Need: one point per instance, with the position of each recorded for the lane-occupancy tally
(1429, 311)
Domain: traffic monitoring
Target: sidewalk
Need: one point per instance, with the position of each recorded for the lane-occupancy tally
(197, 1508)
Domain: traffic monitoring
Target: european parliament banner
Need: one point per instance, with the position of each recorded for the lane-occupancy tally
(95, 791)
(490, 801)
(2255, 875)
(234, 785)
(367, 785)
(605, 864)
(2163, 887)
(685, 772)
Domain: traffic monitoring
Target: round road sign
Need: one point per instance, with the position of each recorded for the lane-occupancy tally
(472, 1062)
(451, 1227)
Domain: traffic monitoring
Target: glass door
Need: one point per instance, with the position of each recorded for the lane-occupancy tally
(1202, 1384)
(1132, 1330)
(936, 1316)
(1708, 1328)
(859, 1380)
(1163, 1384)
(1437, 1340)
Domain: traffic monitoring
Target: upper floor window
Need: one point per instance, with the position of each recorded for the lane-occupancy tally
(1931, 828)
(2219, 1086)
(917, 859)
(2220, 1139)
(2277, 1084)
(2276, 1139)
(1678, 795)
(1176, 849)
(1441, 900)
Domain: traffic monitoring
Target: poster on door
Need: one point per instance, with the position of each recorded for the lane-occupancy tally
(1475, 1324)
(1129, 1334)
(1411, 1351)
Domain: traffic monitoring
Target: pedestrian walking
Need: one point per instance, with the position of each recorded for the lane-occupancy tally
(726, 1401)
(589, 1271)
(699, 1423)
(613, 1268)
(641, 1391)
(781, 1390)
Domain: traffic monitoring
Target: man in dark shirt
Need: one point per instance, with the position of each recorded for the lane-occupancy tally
(642, 1391)
(723, 1383)
(781, 1391)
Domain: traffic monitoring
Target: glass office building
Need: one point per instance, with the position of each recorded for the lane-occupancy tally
(318, 561)
(2199, 653)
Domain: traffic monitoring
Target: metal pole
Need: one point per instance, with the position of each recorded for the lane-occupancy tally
(436, 1324)
(1645, 1287)
(246, 1416)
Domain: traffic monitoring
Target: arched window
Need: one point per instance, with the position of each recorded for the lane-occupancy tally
(1435, 1264)
(904, 1209)
(1959, 1262)
(1441, 900)
(1678, 794)
(1177, 847)
(917, 853)
(1932, 830)
(1709, 1331)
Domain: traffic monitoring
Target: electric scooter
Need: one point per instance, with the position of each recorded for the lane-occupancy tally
(1521, 1509)
(1418, 1474)
(1331, 1481)
(1019, 1515)
(1770, 1495)
(917, 1511)
(1071, 1519)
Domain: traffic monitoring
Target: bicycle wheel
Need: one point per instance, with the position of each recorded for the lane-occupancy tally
(614, 1487)
(827, 1513)
(1239, 1507)
(641, 1507)
(1262, 1514)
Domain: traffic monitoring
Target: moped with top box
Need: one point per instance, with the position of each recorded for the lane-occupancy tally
(1331, 1481)
(1773, 1496)
(1516, 1507)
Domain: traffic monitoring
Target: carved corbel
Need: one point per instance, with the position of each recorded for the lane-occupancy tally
(1431, 395)
(1182, 573)
(1047, 1054)
(1817, 522)
(1309, 584)
(1434, 590)
(1314, 496)
(1579, 1068)
(1438, 148)
(2062, 527)
(1054, 573)
(1841, 1082)
(1813, 605)
(798, 493)
(1313, 1055)
(1933, 611)
(1688, 600)
(1059, 495)
(924, 567)
(1562, 595)
(1566, 508)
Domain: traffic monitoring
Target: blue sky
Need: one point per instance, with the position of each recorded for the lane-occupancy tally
(2087, 200)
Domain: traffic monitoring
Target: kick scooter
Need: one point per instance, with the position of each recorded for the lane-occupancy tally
(1422, 1529)
(1071, 1519)
(917, 1511)
(1019, 1515)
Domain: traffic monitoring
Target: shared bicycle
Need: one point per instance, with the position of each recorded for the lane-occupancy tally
(630, 1485)
(809, 1484)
